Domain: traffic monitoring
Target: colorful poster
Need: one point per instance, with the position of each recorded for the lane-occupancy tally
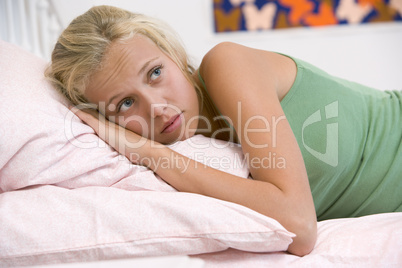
(252, 15)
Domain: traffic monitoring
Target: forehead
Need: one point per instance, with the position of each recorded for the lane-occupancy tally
(138, 46)
(122, 61)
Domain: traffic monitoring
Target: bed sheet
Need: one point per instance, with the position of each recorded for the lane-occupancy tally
(52, 225)
(370, 241)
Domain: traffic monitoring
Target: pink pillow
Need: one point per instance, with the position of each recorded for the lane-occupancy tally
(49, 224)
(42, 142)
(34, 147)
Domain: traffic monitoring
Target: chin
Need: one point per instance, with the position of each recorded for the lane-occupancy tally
(173, 138)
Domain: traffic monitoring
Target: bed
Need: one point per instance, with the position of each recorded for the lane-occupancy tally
(67, 197)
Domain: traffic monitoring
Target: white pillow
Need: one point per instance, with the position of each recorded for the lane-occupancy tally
(49, 224)
(43, 144)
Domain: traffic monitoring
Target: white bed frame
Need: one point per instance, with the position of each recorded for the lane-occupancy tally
(31, 24)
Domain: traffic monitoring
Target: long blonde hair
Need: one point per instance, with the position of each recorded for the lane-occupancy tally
(82, 46)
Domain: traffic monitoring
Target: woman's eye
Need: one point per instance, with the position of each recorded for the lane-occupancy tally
(156, 73)
(125, 105)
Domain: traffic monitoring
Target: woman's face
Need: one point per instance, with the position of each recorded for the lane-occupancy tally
(143, 90)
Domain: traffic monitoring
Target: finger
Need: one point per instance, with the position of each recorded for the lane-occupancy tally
(84, 111)
(92, 112)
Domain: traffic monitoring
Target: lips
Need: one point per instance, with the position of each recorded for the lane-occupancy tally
(172, 124)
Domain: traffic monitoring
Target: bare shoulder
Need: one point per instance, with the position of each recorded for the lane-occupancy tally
(246, 85)
(238, 60)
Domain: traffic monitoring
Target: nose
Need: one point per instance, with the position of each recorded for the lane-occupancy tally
(158, 109)
(156, 104)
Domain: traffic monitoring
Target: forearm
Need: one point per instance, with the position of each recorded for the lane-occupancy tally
(291, 209)
(190, 176)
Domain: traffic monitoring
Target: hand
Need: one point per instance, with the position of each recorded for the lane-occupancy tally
(91, 117)
(124, 141)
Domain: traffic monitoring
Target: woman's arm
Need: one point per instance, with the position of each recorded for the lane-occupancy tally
(256, 80)
(280, 193)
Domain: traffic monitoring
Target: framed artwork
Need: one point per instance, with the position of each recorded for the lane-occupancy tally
(253, 15)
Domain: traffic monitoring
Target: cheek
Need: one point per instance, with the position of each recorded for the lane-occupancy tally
(187, 93)
(192, 99)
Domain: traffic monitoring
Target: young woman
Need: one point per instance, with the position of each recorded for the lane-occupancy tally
(337, 141)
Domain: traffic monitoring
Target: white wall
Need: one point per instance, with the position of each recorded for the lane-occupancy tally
(370, 54)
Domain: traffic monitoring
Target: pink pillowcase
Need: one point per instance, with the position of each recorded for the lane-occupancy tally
(43, 144)
(34, 147)
(49, 224)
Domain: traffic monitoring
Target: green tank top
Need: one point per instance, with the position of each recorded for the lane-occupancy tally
(350, 139)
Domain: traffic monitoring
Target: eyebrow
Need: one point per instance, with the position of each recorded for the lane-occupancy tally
(111, 100)
(143, 68)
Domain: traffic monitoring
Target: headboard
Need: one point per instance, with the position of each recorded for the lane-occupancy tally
(31, 24)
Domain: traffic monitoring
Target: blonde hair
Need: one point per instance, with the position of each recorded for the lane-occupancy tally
(82, 46)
